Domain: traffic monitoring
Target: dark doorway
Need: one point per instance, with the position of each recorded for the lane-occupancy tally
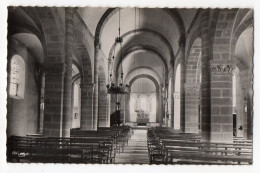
(234, 124)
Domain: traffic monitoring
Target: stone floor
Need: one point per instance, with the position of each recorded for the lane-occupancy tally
(136, 151)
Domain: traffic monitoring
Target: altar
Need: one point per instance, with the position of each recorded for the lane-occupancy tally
(142, 117)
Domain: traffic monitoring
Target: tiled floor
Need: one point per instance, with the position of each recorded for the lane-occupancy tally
(136, 151)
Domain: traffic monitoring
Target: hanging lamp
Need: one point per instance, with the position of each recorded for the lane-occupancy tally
(113, 87)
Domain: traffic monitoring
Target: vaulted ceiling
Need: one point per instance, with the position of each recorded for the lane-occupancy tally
(20, 26)
(150, 37)
(143, 85)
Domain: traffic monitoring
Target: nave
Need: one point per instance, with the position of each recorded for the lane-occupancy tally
(81, 81)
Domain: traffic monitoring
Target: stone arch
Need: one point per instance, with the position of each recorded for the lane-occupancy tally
(76, 101)
(223, 35)
(235, 36)
(148, 68)
(78, 66)
(192, 62)
(157, 34)
(156, 83)
(87, 68)
(158, 93)
(49, 23)
(192, 88)
(244, 83)
(196, 34)
(82, 49)
(27, 28)
(142, 47)
(213, 28)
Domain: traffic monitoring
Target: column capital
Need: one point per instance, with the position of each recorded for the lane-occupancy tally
(54, 68)
(192, 87)
(217, 67)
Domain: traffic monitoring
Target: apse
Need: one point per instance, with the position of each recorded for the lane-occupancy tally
(143, 100)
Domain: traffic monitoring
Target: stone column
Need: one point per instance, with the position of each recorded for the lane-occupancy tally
(123, 107)
(249, 112)
(182, 92)
(205, 77)
(192, 92)
(121, 100)
(176, 117)
(108, 110)
(166, 110)
(67, 106)
(95, 96)
(102, 118)
(86, 121)
(221, 102)
(161, 106)
(157, 105)
(171, 96)
(127, 108)
(53, 100)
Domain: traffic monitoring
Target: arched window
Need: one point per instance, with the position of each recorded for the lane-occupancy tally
(76, 90)
(17, 77)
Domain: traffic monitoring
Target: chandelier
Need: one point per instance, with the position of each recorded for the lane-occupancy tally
(113, 87)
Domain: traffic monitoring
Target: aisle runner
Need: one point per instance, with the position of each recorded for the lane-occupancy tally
(136, 151)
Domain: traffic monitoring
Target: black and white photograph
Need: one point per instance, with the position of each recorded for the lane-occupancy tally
(130, 85)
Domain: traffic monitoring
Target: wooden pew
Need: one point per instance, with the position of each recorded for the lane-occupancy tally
(120, 134)
(54, 150)
(188, 149)
(82, 147)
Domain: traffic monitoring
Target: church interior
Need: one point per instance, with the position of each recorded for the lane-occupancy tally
(130, 85)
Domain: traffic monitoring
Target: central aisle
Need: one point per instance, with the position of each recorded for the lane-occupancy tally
(136, 152)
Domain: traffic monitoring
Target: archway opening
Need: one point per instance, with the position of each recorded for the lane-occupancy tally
(177, 101)
(143, 102)
(242, 85)
(76, 99)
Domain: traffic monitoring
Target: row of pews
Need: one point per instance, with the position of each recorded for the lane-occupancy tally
(98, 146)
(166, 146)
